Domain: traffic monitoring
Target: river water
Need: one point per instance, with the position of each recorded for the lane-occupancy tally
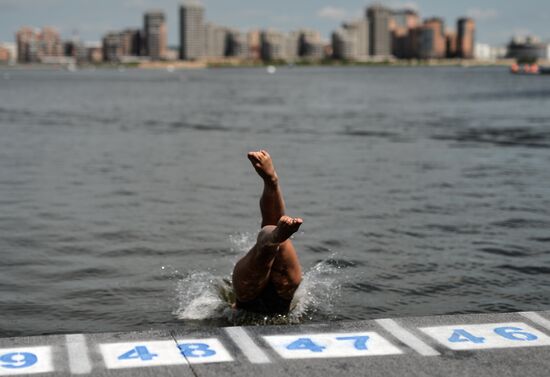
(126, 197)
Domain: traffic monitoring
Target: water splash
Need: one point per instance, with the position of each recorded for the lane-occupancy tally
(205, 296)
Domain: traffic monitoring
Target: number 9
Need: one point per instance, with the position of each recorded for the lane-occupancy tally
(17, 360)
(514, 333)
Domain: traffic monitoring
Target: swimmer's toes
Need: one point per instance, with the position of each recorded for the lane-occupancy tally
(286, 227)
(263, 164)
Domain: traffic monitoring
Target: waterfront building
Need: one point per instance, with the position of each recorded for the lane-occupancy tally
(94, 52)
(155, 35)
(8, 52)
(379, 18)
(5, 55)
(483, 51)
(112, 47)
(402, 26)
(132, 42)
(50, 44)
(465, 38)
(215, 40)
(344, 45)
(351, 41)
(191, 31)
(310, 46)
(236, 45)
(27, 45)
(76, 50)
(292, 46)
(254, 44)
(272, 45)
(35, 45)
(432, 39)
(451, 44)
(359, 30)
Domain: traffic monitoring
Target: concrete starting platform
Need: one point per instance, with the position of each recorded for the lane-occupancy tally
(512, 344)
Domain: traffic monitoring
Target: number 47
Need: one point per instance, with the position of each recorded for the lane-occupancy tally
(360, 343)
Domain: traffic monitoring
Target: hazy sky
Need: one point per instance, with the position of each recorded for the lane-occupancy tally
(497, 20)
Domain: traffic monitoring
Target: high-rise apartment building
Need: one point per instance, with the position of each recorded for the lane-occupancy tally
(379, 23)
(236, 44)
(215, 40)
(27, 45)
(451, 44)
(254, 44)
(35, 46)
(155, 34)
(50, 43)
(131, 41)
(191, 31)
(112, 47)
(344, 45)
(466, 38)
(277, 46)
(431, 43)
(310, 45)
(351, 41)
(402, 26)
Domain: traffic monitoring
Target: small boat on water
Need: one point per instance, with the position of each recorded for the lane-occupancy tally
(529, 69)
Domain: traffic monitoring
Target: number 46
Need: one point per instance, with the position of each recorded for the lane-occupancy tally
(510, 333)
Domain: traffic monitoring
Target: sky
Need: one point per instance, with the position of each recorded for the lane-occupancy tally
(497, 20)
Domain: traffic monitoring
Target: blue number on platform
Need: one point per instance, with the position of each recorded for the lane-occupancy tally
(16, 360)
(305, 344)
(360, 341)
(515, 333)
(461, 335)
(140, 352)
(196, 350)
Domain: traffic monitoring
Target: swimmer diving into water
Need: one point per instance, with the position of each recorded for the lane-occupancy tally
(266, 278)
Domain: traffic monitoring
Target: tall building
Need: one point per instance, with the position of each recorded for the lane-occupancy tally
(155, 34)
(254, 44)
(131, 41)
(215, 41)
(361, 32)
(379, 23)
(236, 45)
(402, 26)
(344, 45)
(27, 45)
(112, 47)
(274, 46)
(191, 31)
(432, 39)
(50, 44)
(466, 38)
(310, 45)
(34, 46)
(451, 44)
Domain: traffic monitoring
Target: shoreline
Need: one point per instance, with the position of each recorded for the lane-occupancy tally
(183, 65)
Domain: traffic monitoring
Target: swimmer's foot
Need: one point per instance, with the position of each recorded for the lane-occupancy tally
(286, 227)
(262, 163)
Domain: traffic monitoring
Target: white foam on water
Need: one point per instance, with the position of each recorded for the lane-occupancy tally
(202, 295)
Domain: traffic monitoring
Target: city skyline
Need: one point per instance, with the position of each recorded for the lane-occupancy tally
(98, 20)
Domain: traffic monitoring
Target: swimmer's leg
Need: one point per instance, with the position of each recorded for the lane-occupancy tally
(254, 270)
(272, 204)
